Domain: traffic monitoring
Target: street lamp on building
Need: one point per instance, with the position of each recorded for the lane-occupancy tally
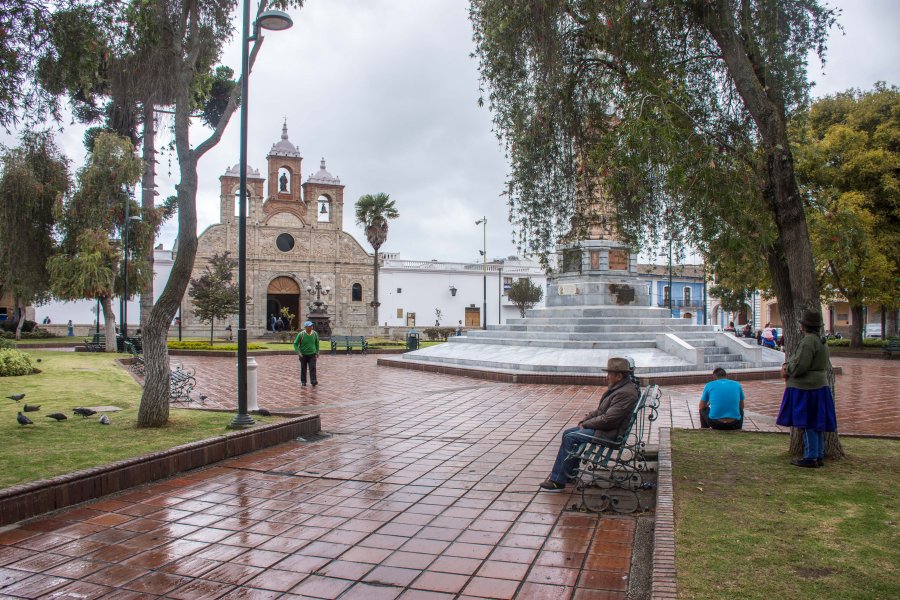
(483, 221)
(273, 20)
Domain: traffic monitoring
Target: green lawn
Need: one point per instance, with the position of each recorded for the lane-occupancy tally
(71, 379)
(750, 525)
(48, 340)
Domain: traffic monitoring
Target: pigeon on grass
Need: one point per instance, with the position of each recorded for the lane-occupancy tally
(23, 420)
(29, 408)
(16, 397)
(84, 412)
(104, 420)
(58, 416)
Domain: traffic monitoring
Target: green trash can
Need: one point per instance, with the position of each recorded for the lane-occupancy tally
(412, 340)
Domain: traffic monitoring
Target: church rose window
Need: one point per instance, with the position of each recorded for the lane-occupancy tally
(285, 242)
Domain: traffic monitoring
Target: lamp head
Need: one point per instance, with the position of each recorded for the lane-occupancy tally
(480, 221)
(274, 20)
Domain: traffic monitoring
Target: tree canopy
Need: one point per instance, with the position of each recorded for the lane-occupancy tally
(524, 294)
(676, 110)
(848, 160)
(34, 178)
(213, 294)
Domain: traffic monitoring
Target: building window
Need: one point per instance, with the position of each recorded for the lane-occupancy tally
(356, 292)
(507, 283)
(285, 242)
(687, 296)
(399, 290)
(399, 313)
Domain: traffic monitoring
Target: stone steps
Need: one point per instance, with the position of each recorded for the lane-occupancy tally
(562, 342)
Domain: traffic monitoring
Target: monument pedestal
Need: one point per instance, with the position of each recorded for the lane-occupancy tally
(598, 273)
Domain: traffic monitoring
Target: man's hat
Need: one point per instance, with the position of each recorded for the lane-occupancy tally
(308, 324)
(617, 365)
(811, 319)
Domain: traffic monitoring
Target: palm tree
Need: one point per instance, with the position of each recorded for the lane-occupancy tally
(372, 214)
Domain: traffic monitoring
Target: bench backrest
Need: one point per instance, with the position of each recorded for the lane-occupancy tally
(649, 395)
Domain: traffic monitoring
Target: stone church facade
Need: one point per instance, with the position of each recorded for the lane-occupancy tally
(295, 238)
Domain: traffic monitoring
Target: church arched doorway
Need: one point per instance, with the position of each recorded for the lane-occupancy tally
(283, 292)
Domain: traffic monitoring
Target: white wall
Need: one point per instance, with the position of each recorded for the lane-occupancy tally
(81, 312)
(424, 289)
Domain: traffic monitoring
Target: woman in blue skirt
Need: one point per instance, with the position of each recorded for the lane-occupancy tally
(807, 403)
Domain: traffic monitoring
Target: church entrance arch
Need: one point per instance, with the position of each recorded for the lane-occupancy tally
(283, 292)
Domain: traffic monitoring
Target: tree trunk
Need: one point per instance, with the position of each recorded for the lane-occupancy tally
(857, 326)
(791, 260)
(154, 409)
(375, 303)
(212, 328)
(20, 309)
(148, 203)
(109, 323)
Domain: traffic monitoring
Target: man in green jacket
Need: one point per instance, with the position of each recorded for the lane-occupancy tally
(306, 344)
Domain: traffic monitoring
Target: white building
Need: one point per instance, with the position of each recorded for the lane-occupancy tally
(83, 313)
(412, 291)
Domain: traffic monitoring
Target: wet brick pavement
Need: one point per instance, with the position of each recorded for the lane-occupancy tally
(426, 489)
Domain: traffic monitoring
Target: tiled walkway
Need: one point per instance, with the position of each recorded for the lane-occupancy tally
(425, 490)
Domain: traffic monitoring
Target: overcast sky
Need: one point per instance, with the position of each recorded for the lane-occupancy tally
(386, 92)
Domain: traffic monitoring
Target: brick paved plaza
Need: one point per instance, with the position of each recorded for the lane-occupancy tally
(426, 489)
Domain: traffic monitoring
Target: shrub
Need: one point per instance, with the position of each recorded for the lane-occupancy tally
(11, 325)
(13, 362)
(36, 333)
(438, 333)
(197, 345)
(867, 343)
(285, 337)
(5, 343)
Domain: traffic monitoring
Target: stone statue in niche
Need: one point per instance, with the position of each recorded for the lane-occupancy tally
(282, 183)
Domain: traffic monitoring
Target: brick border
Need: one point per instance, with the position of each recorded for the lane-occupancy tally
(663, 582)
(550, 378)
(28, 500)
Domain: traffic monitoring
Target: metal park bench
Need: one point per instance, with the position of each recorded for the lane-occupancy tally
(182, 383)
(349, 342)
(610, 472)
(137, 360)
(891, 348)
(96, 343)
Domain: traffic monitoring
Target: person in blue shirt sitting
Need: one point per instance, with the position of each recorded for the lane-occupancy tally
(722, 403)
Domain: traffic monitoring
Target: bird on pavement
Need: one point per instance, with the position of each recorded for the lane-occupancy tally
(84, 412)
(104, 420)
(23, 420)
(31, 408)
(58, 416)
(263, 412)
(203, 397)
(16, 397)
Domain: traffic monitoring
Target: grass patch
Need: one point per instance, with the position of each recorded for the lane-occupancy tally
(750, 525)
(70, 379)
(222, 346)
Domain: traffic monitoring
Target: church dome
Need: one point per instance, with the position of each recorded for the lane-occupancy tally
(235, 171)
(323, 176)
(284, 147)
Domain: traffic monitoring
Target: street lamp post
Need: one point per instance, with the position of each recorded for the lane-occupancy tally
(671, 313)
(274, 20)
(124, 312)
(483, 221)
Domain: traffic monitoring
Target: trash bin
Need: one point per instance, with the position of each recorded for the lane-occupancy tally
(412, 340)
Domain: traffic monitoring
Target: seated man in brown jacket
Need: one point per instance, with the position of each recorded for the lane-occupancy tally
(607, 422)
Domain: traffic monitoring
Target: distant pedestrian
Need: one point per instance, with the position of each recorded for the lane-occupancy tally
(722, 403)
(70, 328)
(228, 332)
(306, 345)
(459, 329)
(807, 403)
(748, 331)
(730, 328)
(768, 336)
